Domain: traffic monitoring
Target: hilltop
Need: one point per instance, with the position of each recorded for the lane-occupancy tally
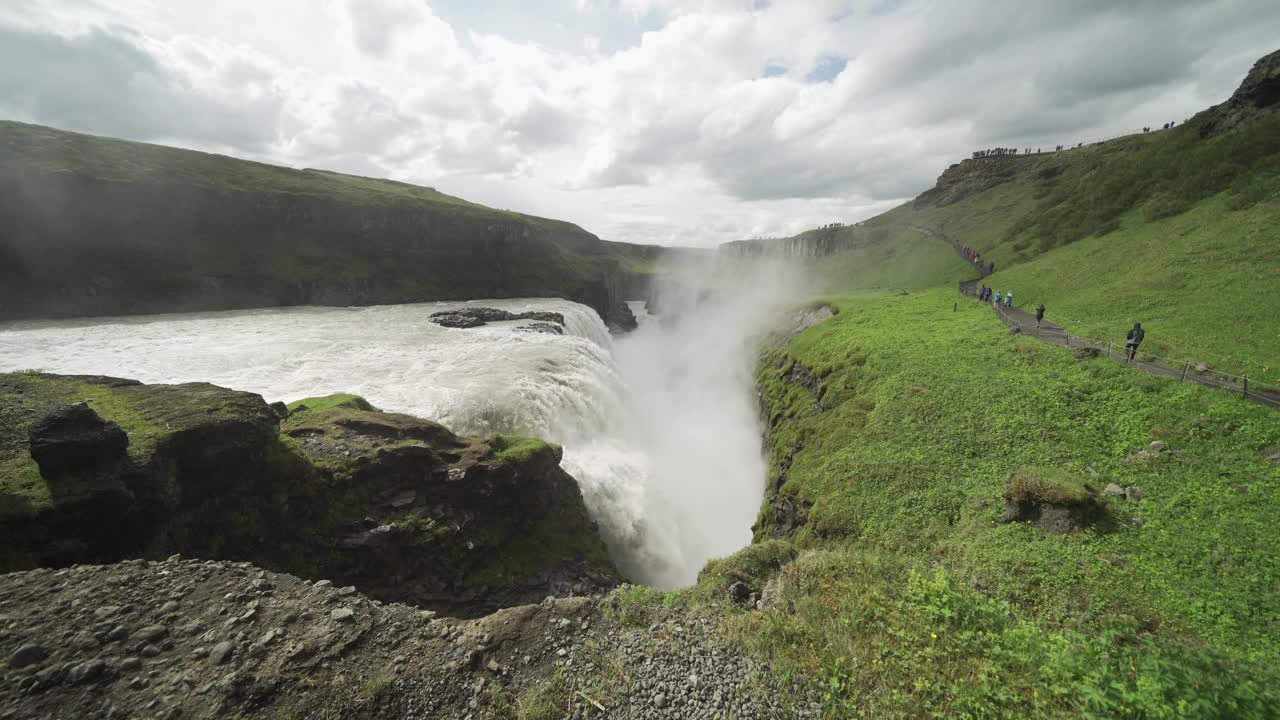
(97, 226)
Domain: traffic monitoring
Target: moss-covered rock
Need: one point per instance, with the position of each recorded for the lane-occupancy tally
(1054, 499)
(450, 521)
(329, 402)
(398, 505)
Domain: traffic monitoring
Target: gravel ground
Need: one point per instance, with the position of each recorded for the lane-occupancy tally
(206, 639)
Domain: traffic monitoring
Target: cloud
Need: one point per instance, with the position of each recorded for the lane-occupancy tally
(109, 82)
(643, 120)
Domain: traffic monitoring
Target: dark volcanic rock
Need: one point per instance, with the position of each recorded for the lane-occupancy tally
(457, 320)
(477, 316)
(1259, 94)
(74, 437)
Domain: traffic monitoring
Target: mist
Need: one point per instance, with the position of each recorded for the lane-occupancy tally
(692, 413)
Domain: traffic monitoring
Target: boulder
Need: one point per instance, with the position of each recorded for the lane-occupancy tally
(476, 316)
(74, 437)
(1054, 500)
(1113, 490)
(1133, 492)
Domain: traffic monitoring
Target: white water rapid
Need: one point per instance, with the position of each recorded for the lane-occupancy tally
(659, 427)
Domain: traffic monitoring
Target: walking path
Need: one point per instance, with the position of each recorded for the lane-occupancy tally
(1051, 332)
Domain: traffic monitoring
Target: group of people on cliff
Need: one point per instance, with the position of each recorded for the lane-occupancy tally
(999, 151)
(1009, 151)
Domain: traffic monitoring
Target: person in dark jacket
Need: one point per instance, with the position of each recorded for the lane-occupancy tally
(1039, 314)
(1134, 339)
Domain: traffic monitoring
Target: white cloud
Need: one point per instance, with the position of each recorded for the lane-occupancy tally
(642, 120)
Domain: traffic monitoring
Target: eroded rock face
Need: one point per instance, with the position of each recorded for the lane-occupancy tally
(1259, 94)
(968, 178)
(396, 504)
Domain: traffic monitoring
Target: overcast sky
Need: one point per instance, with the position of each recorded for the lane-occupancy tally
(651, 121)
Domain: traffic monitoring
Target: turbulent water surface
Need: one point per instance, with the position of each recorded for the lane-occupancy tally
(659, 427)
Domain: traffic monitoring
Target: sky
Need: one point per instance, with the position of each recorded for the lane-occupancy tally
(649, 121)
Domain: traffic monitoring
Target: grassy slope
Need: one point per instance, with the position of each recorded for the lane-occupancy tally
(1167, 229)
(909, 599)
(106, 158)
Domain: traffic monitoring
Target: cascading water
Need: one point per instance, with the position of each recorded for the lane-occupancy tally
(659, 427)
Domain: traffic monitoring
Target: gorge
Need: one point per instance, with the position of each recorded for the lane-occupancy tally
(652, 436)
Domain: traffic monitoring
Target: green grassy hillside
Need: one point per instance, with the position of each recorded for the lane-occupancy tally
(92, 156)
(1167, 229)
(1170, 229)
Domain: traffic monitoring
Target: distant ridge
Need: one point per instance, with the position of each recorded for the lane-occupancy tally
(93, 226)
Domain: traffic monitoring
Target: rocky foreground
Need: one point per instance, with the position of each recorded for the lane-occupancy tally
(208, 639)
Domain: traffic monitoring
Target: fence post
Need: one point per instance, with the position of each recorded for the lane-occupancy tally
(1108, 348)
(1185, 368)
(1246, 386)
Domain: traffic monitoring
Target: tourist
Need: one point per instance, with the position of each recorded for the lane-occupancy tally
(1008, 299)
(1039, 315)
(999, 296)
(1134, 339)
